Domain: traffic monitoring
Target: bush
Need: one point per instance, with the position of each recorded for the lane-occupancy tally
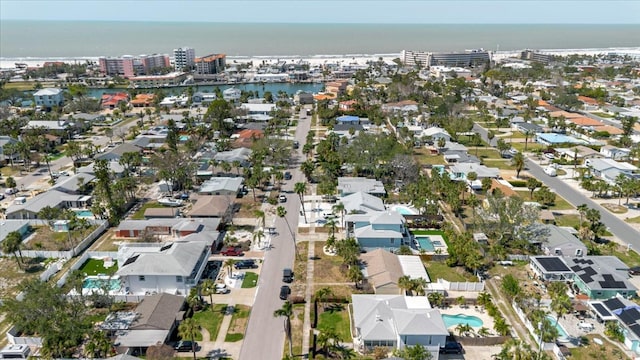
(518, 183)
(297, 299)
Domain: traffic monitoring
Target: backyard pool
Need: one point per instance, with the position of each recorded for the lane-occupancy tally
(562, 333)
(84, 214)
(184, 138)
(424, 242)
(97, 282)
(404, 210)
(454, 320)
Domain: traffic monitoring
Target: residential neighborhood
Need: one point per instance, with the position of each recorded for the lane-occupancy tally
(464, 207)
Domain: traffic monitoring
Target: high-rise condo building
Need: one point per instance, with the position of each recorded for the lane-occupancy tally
(184, 58)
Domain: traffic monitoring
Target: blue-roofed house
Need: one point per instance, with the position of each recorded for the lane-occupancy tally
(348, 119)
(549, 139)
(385, 229)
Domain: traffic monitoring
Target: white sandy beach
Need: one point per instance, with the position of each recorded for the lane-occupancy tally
(313, 60)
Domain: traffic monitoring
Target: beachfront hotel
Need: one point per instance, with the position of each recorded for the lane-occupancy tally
(129, 66)
(461, 59)
(211, 64)
(184, 58)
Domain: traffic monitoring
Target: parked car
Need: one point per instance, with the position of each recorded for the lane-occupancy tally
(287, 175)
(11, 191)
(287, 275)
(634, 270)
(245, 264)
(451, 347)
(549, 156)
(222, 289)
(282, 198)
(296, 144)
(284, 292)
(232, 251)
(185, 345)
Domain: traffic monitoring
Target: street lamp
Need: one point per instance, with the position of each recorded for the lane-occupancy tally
(540, 329)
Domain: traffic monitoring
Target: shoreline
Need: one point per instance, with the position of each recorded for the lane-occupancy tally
(8, 63)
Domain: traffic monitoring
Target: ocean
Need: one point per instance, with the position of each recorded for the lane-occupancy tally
(76, 39)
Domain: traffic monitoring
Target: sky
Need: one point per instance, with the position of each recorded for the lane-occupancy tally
(330, 11)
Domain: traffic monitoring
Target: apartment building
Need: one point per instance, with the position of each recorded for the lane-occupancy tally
(211, 64)
(457, 59)
(184, 58)
(122, 66)
(150, 62)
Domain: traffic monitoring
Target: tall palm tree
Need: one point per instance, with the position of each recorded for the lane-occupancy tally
(189, 329)
(463, 329)
(339, 209)
(258, 236)
(322, 294)
(418, 286)
(208, 287)
(261, 216)
(484, 298)
(435, 298)
(300, 188)
(518, 162)
(11, 245)
(328, 338)
(229, 264)
(405, 284)
(331, 225)
(282, 213)
(286, 311)
(561, 305)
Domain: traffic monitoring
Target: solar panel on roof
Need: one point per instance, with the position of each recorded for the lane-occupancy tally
(552, 264)
(614, 304)
(131, 260)
(589, 271)
(166, 247)
(586, 278)
(624, 316)
(608, 277)
(612, 284)
(576, 268)
(588, 262)
(635, 329)
(601, 310)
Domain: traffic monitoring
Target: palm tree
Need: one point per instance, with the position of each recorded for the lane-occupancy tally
(229, 264)
(331, 225)
(300, 188)
(208, 287)
(561, 305)
(461, 300)
(435, 298)
(260, 215)
(501, 327)
(463, 329)
(189, 329)
(258, 236)
(322, 294)
(484, 298)
(282, 213)
(355, 275)
(582, 209)
(418, 286)
(483, 331)
(405, 284)
(286, 311)
(11, 245)
(518, 162)
(527, 134)
(339, 209)
(328, 337)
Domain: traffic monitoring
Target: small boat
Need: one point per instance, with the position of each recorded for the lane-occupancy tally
(170, 202)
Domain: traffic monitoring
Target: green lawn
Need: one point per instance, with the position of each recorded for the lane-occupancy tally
(602, 115)
(139, 215)
(250, 280)
(336, 317)
(428, 159)
(96, 267)
(440, 270)
(560, 203)
(211, 320)
(503, 164)
(238, 323)
(568, 220)
(530, 146)
(631, 257)
(633, 220)
(486, 153)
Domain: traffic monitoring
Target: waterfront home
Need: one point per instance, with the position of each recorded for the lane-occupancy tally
(350, 185)
(151, 323)
(112, 101)
(386, 229)
(143, 100)
(231, 94)
(48, 98)
(155, 81)
(397, 321)
(202, 98)
(173, 268)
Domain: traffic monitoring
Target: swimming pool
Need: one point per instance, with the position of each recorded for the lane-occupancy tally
(562, 333)
(184, 138)
(84, 213)
(454, 320)
(425, 243)
(97, 282)
(403, 210)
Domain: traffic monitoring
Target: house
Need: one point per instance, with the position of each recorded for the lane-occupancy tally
(203, 98)
(350, 185)
(348, 119)
(240, 155)
(396, 321)
(436, 133)
(615, 153)
(460, 171)
(116, 153)
(345, 130)
(560, 242)
(550, 139)
(114, 167)
(73, 184)
(550, 268)
(48, 98)
(529, 128)
(609, 169)
(362, 203)
(625, 313)
(152, 322)
(246, 137)
(601, 277)
(231, 94)
(578, 152)
(348, 105)
(336, 88)
(303, 98)
(173, 268)
(258, 109)
(4, 158)
(176, 227)
(50, 126)
(52, 198)
(213, 206)
(404, 106)
(161, 213)
(221, 186)
(143, 100)
(9, 226)
(112, 101)
(382, 270)
(386, 229)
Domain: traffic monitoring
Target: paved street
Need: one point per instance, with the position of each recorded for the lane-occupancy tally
(617, 227)
(264, 337)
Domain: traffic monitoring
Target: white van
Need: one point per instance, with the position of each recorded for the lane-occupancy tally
(15, 351)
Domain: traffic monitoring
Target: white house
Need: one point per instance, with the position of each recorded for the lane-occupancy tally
(436, 134)
(231, 94)
(173, 268)
(397, 321)
(258, 109)
(615, 153)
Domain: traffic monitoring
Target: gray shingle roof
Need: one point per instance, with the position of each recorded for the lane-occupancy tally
(179, 259)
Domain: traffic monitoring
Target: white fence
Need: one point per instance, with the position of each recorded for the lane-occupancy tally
(518, 257)
(102, 226)
(530, 328)
(52, 269)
